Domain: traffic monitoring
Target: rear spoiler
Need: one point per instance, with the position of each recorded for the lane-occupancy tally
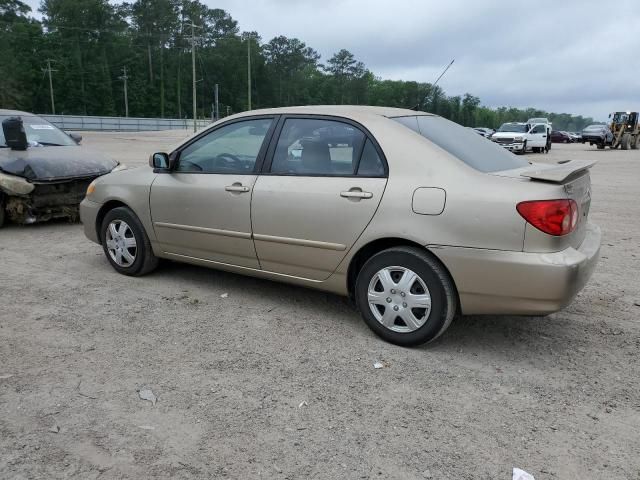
(561, 172)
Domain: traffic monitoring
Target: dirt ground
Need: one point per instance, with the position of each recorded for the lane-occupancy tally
(256, 379)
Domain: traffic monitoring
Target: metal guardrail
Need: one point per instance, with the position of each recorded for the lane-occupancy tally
(121, 124)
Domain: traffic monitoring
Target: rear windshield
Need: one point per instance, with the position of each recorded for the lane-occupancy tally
(474, 150)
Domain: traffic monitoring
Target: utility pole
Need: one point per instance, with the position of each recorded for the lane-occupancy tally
(216, 103)
(249, 71)
(124, 77)
(193, 68)
(48, 69)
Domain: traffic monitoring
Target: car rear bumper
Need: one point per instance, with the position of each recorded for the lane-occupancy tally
(520, 283)
(88, 215)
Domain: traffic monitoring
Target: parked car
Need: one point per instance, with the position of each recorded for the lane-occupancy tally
(597, 134)
(558, 136)
(485, 132)
(575, 136)
(413, 216)
(44, 172)
(521, 137)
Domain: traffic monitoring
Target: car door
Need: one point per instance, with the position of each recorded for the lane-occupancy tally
(538, 136)
(202, 208)
(319, 189)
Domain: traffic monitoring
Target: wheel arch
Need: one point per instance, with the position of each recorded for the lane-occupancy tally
(107, 207)
(370, 249)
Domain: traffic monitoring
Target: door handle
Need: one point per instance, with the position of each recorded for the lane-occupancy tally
(237, 187)
(356, 194)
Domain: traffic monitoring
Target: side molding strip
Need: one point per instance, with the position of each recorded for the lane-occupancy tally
(264, 238)
(212, 231)
(298, 241)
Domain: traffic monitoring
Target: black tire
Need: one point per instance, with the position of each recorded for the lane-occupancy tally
(635, 142)
(441, 289)
(2, 211)
(524, 149)
(600, 146)
(625, 143)
(144, 259)
(566, 140)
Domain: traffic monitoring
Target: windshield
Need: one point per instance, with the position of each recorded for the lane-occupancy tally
(513, 127)
(39, 132)
(595, 127)
(463, 143)
(620, 117)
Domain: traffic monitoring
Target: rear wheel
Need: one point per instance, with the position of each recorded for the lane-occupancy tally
(635, 142)
(600, 146)
(126, 244)
(405, 296)
(625, 143)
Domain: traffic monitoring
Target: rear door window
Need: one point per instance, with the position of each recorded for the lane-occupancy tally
(463, 143)
(317, 147)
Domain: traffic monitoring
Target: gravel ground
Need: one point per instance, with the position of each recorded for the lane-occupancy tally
(256, 379)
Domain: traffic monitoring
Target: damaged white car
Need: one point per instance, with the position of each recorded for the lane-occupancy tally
(44, 172)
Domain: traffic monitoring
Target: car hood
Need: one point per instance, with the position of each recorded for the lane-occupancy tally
(507, 134)
(47, 164)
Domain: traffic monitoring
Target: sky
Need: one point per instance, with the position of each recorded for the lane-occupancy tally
(577, 57)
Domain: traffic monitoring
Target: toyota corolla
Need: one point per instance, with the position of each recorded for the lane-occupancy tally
(414, 217)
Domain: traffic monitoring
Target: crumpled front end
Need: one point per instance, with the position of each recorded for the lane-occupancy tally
(47, 201)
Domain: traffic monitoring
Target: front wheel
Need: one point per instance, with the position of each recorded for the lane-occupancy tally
(405, 296)
(625, 143)
(126, 244)
(524, 149)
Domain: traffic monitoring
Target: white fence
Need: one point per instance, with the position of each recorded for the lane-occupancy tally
(122, 124)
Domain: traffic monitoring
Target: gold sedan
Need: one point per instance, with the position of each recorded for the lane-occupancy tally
(414, 217)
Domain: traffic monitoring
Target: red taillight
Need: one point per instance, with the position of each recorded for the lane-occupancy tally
(555, 217)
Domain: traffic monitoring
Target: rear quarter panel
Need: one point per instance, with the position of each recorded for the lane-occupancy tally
(480, 209)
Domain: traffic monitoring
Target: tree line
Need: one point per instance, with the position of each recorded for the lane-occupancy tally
(88, 44)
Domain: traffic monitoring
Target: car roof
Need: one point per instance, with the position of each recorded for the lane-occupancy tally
(338, 110)
(15, 112)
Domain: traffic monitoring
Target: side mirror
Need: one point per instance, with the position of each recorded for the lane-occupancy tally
(14, 134)
(76, 137)
(160, 162)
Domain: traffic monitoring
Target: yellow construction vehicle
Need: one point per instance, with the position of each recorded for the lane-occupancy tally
(625, 129)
